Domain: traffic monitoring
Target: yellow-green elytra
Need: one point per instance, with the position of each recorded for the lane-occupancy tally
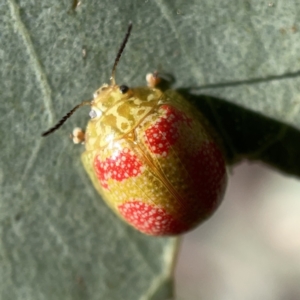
(151, 157)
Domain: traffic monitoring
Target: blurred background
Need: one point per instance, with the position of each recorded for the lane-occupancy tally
(250, 248)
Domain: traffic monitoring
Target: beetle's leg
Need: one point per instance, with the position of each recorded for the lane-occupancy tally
(78, 136)
(153, 79)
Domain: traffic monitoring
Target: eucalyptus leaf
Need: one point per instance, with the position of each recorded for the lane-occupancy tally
(238, 61)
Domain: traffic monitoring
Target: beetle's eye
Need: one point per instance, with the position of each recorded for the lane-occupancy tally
(94, 113)
(123, 89)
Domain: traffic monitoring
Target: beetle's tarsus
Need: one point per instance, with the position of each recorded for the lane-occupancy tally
(153, 79)
(78, 136)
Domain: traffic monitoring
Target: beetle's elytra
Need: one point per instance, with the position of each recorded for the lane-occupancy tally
(151, 156)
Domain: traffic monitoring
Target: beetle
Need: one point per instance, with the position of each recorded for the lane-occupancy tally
(152, 157)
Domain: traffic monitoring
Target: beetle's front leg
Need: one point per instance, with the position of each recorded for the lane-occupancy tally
(78, 136)
(153, 79)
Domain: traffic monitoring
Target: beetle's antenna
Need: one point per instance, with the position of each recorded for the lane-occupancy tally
(112, 78)
(65, 118)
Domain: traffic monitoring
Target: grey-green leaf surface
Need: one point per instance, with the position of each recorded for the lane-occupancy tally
(238, 61)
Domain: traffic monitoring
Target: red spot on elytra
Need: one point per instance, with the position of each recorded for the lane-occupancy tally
(207, 168)
(122, 165)
(164, 132)
(208, 173)
(150, 219)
